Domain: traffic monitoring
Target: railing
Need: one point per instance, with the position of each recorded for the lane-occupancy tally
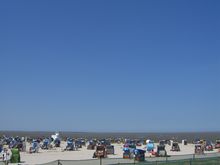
(191, 159)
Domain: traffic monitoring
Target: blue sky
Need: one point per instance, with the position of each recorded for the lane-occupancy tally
(134, 66)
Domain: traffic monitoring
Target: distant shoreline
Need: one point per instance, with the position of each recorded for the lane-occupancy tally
(111, 131)
(178, 136)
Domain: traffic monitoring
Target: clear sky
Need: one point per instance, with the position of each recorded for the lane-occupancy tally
(110, 65)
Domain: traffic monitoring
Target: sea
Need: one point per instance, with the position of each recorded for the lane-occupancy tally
(156, 136)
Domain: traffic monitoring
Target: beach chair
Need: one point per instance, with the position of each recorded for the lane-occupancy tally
(34, 147)
(175, 147)
(139, 155)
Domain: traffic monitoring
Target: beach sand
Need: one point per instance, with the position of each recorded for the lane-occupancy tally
(45, 156)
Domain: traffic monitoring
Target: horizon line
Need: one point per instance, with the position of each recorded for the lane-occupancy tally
(65, 131)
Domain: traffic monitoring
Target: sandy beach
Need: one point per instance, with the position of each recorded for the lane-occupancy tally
(45, 156)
